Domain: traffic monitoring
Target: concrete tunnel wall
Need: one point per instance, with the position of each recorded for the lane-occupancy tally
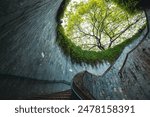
(129, 80)
(28, 51)
(28, 48)
(27, 42)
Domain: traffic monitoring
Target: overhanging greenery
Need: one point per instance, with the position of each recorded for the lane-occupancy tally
(98, 25)
(78, 55)
(131, 6)
(91, 57)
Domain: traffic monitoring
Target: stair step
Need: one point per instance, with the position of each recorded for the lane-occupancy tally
(64, 95)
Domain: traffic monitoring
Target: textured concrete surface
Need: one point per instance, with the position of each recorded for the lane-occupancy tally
(28, 48)
(27, 42)
(128, 78)
(13, 87)
(29, 55)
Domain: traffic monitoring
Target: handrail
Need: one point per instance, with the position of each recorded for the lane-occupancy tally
(120, 71)
(82, 95)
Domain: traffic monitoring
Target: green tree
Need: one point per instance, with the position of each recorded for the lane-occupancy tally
(100, 24)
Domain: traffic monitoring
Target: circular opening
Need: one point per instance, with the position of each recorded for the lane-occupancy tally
(96, 30)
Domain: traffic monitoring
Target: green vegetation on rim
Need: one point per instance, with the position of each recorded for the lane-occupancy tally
(92, 57)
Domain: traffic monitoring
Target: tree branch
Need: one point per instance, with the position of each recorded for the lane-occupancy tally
(123, 31)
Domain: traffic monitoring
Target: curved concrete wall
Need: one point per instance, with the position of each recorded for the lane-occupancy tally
(28, 49)
(135, 74)
(131, 80)
(27, 42)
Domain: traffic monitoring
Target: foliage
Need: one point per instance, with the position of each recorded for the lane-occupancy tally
(98, 24)
(78, 55)
(131, 6)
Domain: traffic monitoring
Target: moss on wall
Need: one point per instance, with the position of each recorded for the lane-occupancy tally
(91, 57)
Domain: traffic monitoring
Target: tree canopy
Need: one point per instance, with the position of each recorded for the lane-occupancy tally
(133, 6)
(99, 24)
